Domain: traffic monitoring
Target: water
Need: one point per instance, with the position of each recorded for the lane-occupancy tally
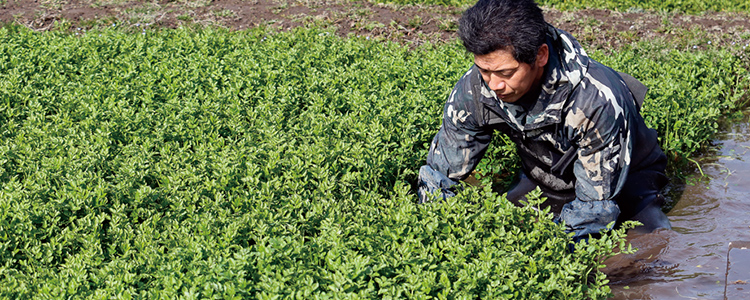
(690, 261)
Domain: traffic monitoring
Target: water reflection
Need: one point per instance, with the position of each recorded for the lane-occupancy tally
(689, 262)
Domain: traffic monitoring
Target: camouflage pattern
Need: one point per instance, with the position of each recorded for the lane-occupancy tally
(578, 137)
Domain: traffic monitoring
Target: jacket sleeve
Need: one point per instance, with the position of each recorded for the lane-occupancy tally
(601, 123)
(462, 139)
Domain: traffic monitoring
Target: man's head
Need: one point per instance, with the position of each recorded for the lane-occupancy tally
(508, 41)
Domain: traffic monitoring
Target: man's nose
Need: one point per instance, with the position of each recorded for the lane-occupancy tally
(496, 83)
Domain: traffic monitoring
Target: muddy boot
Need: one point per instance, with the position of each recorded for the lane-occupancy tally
(521, 186)
(652, 216)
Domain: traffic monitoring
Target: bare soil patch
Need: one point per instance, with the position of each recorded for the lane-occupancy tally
(414, 24)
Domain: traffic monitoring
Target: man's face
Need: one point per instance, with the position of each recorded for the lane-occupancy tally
(509, 78)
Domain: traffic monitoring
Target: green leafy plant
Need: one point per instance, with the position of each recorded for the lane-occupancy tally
(210, 163)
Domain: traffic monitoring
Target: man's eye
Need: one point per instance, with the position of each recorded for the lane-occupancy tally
(504, 73)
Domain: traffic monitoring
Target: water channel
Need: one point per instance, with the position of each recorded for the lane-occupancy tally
(690, 261)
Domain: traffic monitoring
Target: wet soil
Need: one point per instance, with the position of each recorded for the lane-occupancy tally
(413, 24)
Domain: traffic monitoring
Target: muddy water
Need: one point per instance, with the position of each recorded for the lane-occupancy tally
(690, 261)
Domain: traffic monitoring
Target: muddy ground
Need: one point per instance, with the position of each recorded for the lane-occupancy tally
(410, 24)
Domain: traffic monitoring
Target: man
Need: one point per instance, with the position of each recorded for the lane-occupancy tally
(575, 123)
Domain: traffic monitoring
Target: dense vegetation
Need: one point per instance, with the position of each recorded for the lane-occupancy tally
(251, 164)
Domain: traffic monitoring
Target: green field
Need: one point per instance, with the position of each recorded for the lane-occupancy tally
(260, 164)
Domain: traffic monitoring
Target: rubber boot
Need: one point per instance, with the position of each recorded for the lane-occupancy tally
(652, 217)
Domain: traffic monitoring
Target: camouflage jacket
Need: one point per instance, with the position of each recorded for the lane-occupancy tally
(579, 136)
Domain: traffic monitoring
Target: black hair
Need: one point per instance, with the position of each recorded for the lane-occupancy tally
(515, 25)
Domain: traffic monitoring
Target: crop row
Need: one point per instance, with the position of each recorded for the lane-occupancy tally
(252, 164)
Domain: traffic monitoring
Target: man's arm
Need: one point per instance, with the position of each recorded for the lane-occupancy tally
(602, 128)
(460, 143)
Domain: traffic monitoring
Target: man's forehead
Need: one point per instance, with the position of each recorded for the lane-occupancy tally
(497, 60)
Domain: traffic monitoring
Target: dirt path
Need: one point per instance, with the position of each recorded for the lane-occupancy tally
(599, 28)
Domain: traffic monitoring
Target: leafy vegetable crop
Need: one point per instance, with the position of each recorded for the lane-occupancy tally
(251, 164)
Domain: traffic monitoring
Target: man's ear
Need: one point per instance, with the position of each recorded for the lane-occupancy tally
(542, 55)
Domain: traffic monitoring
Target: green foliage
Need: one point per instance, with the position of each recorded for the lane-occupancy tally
(499, 164)
(251, 164)
(217, 164)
